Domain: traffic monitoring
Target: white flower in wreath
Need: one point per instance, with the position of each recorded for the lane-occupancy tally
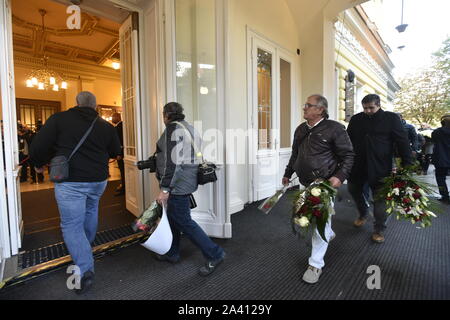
(316, 192)
(302, 222)
(396, 191)
(430, 213)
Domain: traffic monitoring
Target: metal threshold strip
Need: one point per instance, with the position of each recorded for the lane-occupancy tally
(37, 262)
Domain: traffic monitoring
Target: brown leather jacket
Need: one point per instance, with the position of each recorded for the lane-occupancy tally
(321, 152)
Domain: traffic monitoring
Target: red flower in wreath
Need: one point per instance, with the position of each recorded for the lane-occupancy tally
(406, 200)
(314, 200)
(399, 185)
(303, 210)
(317, 213)
(416, 195)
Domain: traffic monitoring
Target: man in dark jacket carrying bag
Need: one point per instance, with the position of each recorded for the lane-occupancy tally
(321, 150)
(374, 134)
(78, 196)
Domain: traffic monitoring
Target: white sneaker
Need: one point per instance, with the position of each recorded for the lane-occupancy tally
(312, 275)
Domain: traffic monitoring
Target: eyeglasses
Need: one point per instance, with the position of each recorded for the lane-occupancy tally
(369, 108)
(309, 105)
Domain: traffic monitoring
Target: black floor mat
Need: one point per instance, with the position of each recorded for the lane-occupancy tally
(266, 261)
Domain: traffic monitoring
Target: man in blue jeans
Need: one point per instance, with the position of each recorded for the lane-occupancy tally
(79, 195)
(177, 174)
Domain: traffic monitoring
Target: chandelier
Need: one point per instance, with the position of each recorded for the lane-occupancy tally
(44, 78)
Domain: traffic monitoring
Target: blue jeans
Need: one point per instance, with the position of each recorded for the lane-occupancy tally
(78, 208)
(179, 215)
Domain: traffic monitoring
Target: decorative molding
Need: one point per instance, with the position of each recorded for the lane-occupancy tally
(37, 43)
(345, 37)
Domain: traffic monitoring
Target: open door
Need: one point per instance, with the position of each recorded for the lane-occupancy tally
(129, 52)
(11, 220)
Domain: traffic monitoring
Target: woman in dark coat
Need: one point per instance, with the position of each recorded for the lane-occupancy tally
(374, 133)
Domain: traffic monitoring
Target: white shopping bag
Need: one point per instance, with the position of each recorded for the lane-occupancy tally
(160, 240)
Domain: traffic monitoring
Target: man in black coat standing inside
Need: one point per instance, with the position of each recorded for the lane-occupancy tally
(374, 133)
(118, 124)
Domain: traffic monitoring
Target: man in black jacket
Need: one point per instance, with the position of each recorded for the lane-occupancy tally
(374, 133)
(79, 195)
(441, 156)
(321, 150)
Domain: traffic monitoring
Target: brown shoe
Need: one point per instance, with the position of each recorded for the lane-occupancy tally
(359, 222)
(377, 237)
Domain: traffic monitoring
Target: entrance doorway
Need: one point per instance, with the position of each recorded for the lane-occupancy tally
(86, 60)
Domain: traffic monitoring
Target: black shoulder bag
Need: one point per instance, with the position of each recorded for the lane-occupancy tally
(59, 165)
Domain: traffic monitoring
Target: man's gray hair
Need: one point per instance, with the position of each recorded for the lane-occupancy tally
(322, 102)
(86, 99)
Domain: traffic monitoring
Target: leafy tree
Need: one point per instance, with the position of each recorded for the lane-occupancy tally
(425, 96)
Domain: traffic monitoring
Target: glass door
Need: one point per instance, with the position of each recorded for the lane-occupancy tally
(265, 97)
(272, 91)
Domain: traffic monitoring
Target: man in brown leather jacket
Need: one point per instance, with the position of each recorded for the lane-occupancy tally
(321, 149)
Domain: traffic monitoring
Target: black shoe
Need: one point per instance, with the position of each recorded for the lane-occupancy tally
(210, 266)
(167, 258)
(445, 200)
(86, 282)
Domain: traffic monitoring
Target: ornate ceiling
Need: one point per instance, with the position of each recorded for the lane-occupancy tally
(97, 43)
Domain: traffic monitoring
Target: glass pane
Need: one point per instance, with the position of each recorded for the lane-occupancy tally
(128, 94)
(196, 60)
(285, 104)
(264, 69)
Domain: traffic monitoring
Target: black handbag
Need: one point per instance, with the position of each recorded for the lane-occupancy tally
(206, 173)
(206, 170)
(59, 165)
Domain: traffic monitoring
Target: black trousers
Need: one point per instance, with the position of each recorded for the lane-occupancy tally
(441, 175)
(121, 166)
(356, 190)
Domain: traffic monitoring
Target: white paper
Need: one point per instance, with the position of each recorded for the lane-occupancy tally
(160, 240)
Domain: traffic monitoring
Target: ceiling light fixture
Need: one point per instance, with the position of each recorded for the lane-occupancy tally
(44, 78)
(116, 65)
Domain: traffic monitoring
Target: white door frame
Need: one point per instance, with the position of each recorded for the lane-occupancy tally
(11, 152)
(215, 221)
(279, 52)
(153, 90)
